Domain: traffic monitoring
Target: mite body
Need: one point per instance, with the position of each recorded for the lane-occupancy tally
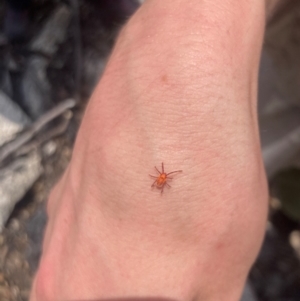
(161, 180)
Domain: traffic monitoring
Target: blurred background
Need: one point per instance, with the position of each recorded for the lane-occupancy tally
(52, 54)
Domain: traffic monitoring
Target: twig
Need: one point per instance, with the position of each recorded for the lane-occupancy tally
(14, 145)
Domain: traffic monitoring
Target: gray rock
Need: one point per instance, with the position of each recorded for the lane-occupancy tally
(279, 121)
(15, 180)
(36, 89)
(282, 42)
(5, 80)
(12, 119)
(279, 90)
(248, 294)
(17, 177)
(35, 227)
(53, 32)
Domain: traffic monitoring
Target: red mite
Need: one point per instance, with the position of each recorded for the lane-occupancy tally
(162, 179)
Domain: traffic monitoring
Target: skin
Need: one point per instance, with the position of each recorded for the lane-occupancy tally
(180, 87)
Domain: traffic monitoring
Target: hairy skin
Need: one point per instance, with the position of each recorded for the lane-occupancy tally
(179, 88)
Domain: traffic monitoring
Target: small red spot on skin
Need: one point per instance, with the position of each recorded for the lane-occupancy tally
(162, 179)
(164, 78)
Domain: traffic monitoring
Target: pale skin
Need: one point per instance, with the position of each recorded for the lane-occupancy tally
(180, 88)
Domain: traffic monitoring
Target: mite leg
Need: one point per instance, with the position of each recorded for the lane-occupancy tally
(154, 183)
(161, 188)
(174, 172)
(157, 170)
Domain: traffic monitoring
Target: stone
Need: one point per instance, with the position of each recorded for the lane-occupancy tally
(278, 120)
(248, 294)
(3, 253)
(15, 291)
(282, 42)
(285, 187)
(14, 225)
(25, 294)
(2, 239)
(14, 260)
(294, 239)
(5, 293)
(20, 174)
(5, 80)
(53, 32)
(49, 148)
(36, 89)
(35, 227)
(12, 119)
(26, 265)
(24, 214)
(279, 90)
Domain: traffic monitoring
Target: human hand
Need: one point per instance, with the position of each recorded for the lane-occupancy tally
(180, 87)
